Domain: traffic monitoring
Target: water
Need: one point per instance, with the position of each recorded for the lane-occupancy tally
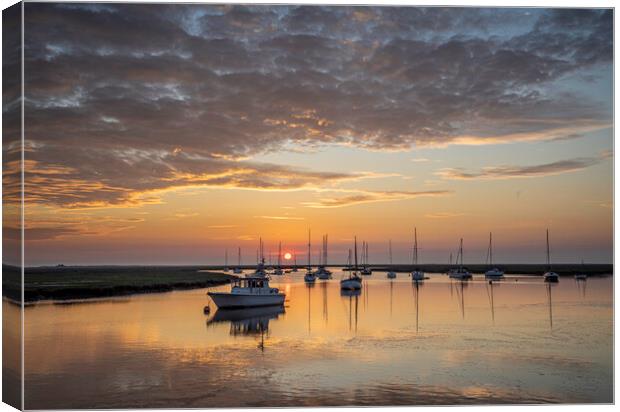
(517, 341)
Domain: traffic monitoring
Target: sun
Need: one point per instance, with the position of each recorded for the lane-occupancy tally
(287, 256)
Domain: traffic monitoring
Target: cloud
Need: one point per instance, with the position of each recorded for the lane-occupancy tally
(516, 172)
(371, 197)
(129, 100)
(117, 178)
(443, 215)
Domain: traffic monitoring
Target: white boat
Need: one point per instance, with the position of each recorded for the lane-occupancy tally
(550, 276)
(494, 273)
(310, 276)
(354, 281)
(248, 292)
(391, 274)
(460, 273)
(417, 275)
(238, 269)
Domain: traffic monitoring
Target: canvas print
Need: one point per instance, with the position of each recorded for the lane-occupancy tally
(233, 205)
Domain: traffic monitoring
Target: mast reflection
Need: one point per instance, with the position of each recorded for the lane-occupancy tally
(351, 294)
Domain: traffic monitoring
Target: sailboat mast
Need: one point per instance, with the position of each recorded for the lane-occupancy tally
(239, 257)
(491, 248)
(279, 254)
(325, 252)
(548, 254)
(226, 258)
(309, 257)
(415, 245)
(461, 252)
(390, 252)
(355, 252)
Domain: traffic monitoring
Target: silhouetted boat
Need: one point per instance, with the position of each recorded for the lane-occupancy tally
(238, 270)
(391, 274)
(278, 270)
(582, 275)
(310, 276)
(493, 273)
(366, 271)
(260, 264)
(323, 272)
(354, 281)
(550, 276)
(460, 273)
(417, 275)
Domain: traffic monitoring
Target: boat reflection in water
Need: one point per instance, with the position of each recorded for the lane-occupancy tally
(248, 321)
(460, 286)
(353, 295)
(581, 287)
(490, 285)
(415, 287)
(548, 286)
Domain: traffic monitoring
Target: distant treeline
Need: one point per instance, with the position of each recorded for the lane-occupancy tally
(562, 269)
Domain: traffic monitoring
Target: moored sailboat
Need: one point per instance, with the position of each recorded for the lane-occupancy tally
(260, 264)
(310, 276)
(493, 273)
(417, 275)
(460, 273)
(582, 275)
(238, 270)
(391, 274)
(550, 276)
(323, 272)
(366, 271)
(354, 281)
(278, 270)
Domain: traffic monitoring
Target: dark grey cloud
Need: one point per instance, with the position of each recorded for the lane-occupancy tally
(113, 89)
(514, 172)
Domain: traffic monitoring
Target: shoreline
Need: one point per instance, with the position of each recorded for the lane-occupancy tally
(64, 284)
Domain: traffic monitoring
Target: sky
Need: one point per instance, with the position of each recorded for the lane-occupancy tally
(168, 134)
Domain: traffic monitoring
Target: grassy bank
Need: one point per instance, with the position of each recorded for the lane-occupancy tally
(83, 282)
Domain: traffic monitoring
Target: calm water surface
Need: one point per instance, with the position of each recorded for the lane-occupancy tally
(443, 342)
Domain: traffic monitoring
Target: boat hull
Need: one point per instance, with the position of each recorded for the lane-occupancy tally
(350, 284)
(391, 275)
(417, 276)
(551, 277)
(238, 300)
(309, 278)
(493, 275)
(461, 275)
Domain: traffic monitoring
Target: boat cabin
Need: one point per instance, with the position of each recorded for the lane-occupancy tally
(253, 285)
